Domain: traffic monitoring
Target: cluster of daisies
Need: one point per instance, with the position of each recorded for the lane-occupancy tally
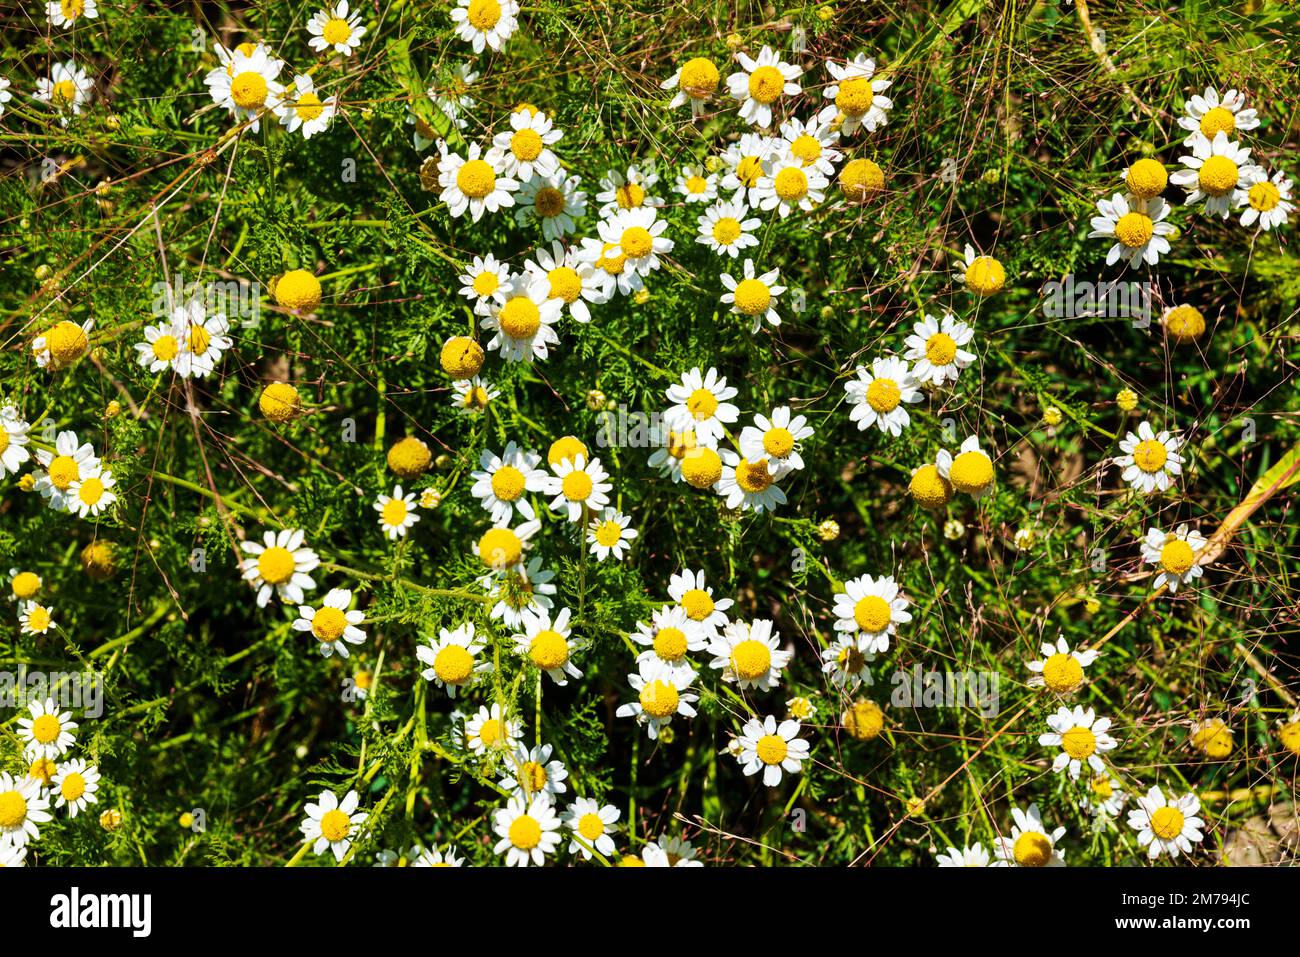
(54, 777)
(1218, 174)
(69, 476)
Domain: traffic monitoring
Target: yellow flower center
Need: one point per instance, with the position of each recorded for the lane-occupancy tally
(807, 148)
(248, 90)
(489, 731)
(1150, 455)
(699, 78)
(883, 395)
(500, 547)
(73, 787)
(508, 483)
(486, 283)
(576, 486)
(165, 348)
(1079, 742)
(1101, 787)
(1032, 849)
(971, 472)
(46, 728)
(753, 476)
(453, 664)
(698, 604)
(63, 471)
(476, 178)
(751, 659)
(91, 491)
(25, 584)
(1215, 739)
(1289, 735)
(297, 289)
(334, 825)
(1167, 822)
(279, 402)
(855, 96)
(43, 770)
(701, 467)
(275, 565)
(771, 749)
(696, 184)
(1218, 176)
(532, 777)
(308, 107)
(565, 447)
(71, 9)
(872, 614)
(702, 404)
(860, 178)
(726, 230)
(864, 720)
(659, 699)
(851, 660)
(548, 650)
(940, 349)
(38, 619)
(548, 202)
(629, 196)
(749, 170)
(1062, 673)
(1263, 196)
(525, 832)
(64, 91)
(13, 809)
(483, 15)
(791, 184)
(526, 144)
(591, 827)
(66, 341)
(1177, 557)
(409, 457)
(929, 488)
(636, 242)
(766, 83)
(609, 533)
(1146, 178)
(200, 339)
(670, 644)
(566, 284)
(612, 264)
(520, 318)
(1185, 323)
(778, 442)
(336, 31)
(752, 297)
(328, 624)
(1218, 120)
(985, 276)
(1134, 229)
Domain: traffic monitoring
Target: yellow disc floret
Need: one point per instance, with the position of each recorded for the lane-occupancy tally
(279, 402)
(461, 357)
(409, 457)
(297, 289)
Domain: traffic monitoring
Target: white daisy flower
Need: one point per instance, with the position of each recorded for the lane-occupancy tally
(67, 89)
(1106, 796)
(519, 591)
(746, 163)
(871, 609)
(630, 190)
(547, 644)
(1151, 460)
(569, 279)
(490, 730)
(1210, 114)
(1215, 170)
(332, 625)
(23, 584)
(533, 774)
(246, 84)
(753, 295)
(1164, 825)
(789, 185)
(92, 493)
(485, 23)
(1137, 227)
(674, 852)
(453, 97)
(161, 347)
(846, 663)
(1060, 669)
(522, 324)
(279, 563)
(203, 339)
(610, 533)
(662, 693)
(1030, 844)
(397, 513)
(35, 618)
(592, 826)
(812, 143)
(524, 151)
(879, 397)
(672, 449)
(555, 201)
(472, 396)
(773, 748)
(760, 83)
(695, 184)
(611, 273)
(696, 81)
(22, 808)
(62, 345)
(300, 107)
(334, 28)
(982, 275)
(668, 637)
(858, 97)
(484, 283)
(453, 658)
(1175, 555)
(749, 483)
(970, 470)
(639, 236)
(529, 829)
(503, 480)
(68, 464)
(13, 441)
(935, 347)
(433, 857)
(579, 485)
(48, 732)
(1263, 200)
(776, 439)
(975, 855)
(64, 13)
(748, 654)
(689, 589)
(5, 95)
(75, 785)
(11, 855)
(1082, 738)
(331, 824)
(727, 228)
(474, 183)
